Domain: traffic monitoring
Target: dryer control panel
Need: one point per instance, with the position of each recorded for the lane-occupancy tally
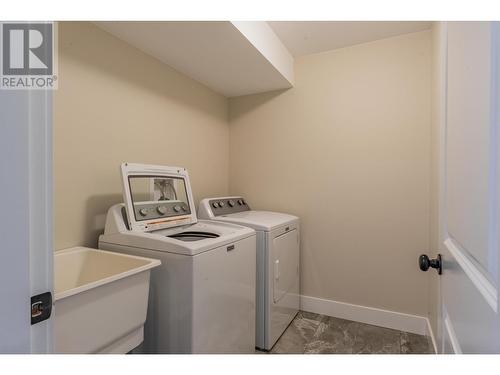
(227, 205)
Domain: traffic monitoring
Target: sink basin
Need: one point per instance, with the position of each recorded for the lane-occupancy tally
(100, 301)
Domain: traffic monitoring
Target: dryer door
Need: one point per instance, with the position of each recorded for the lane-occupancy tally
(284, 281)
(286, 264)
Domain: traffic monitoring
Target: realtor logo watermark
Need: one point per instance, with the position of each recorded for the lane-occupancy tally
(27, 56)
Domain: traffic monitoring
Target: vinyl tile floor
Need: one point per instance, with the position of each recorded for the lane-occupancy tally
(318, 334)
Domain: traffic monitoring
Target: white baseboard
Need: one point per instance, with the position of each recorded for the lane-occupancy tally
(370, 315)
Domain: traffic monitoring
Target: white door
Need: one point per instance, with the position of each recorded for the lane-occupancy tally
(25, 217)
(470, 190)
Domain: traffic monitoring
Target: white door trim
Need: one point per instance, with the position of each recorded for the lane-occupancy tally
(430, 333)
(480, 281)
(40, 206)
(26, 224)
(452, 337)
(441, 77)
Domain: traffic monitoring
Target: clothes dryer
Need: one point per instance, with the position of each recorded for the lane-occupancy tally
(278, 261)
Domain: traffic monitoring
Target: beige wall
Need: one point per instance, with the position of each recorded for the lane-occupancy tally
(115, 104)
(348, 150)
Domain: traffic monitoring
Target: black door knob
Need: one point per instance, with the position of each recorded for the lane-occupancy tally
(424, 263)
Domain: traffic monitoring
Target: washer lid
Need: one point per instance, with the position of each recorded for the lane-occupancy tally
(169, 240)
(157, 197)
(259, 220)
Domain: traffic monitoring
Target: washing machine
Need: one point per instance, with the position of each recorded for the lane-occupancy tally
(278, 259)
(202, 297)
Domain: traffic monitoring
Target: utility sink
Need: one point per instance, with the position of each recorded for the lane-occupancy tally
(101, 300)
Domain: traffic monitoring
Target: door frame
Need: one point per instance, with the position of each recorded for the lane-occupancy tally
(26, 225)
(440, 100)
(41, 211)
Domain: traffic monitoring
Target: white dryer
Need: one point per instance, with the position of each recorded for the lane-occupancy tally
(278, 259)
(202, 297)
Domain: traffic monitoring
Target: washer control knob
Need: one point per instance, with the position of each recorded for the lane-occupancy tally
(221, 204)
(230, 203)
(184, 208)
(240, 202)
(177, 208)
(243, 201)
(162, 210)
(143, 211)
(215, 204)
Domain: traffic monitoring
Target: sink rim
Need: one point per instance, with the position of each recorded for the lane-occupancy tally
(151, 263)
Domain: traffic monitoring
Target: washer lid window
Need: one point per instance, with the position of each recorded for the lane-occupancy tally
(157, 197)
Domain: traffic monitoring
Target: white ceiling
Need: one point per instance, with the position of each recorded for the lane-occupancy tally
(218, 54)
(306, 37)
(240, 58)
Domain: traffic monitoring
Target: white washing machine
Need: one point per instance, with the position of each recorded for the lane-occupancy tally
(278, 258)
(202, 297)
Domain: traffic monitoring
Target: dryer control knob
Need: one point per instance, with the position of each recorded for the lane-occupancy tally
(177, 208)
(240, 202)
(230, 203)
(221, 204)
(215, 205)
(143, 211)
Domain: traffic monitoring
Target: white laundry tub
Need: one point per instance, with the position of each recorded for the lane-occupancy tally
(101, 300)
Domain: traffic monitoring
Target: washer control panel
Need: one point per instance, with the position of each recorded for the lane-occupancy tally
(226, 206)
(159, 209)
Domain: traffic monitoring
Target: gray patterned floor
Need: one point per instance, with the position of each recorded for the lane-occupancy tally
(313, 333)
